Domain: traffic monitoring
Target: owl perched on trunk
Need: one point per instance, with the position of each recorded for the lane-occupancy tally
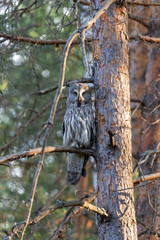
(78, 129)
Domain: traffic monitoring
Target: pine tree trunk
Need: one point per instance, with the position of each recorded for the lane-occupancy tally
(114, 152)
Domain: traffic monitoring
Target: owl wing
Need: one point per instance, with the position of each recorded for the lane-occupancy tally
(75, 167)
(84, 173)
(63, 128)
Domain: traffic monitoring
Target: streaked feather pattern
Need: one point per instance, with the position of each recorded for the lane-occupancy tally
(78, 130)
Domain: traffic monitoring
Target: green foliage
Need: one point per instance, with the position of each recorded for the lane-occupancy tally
(27, 68)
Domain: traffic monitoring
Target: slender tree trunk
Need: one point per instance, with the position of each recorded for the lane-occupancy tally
(114, 152)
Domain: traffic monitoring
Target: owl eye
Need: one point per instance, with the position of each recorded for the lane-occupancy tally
(84, 94)
(75, 94)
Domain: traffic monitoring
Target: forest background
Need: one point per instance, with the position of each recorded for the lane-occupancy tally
(32, 39)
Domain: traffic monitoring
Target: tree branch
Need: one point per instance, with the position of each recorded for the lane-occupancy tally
(51, 89)
(48, 149)
(82, 2)
(145, 38)
(138, 19)
(61, 41)
(66, 220)
(144, 3)
(63, 204)
(144, 178)
(60, 204)
(150, 230)
(38, 41)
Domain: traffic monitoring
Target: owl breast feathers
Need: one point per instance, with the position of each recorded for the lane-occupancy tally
(78, 129)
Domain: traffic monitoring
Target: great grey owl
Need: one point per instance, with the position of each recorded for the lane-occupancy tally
(78, 129)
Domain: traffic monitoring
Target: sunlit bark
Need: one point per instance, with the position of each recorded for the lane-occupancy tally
(114, 152)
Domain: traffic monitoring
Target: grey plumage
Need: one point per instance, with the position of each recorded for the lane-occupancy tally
(78, 129)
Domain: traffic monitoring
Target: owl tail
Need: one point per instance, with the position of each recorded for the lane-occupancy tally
(76, 167)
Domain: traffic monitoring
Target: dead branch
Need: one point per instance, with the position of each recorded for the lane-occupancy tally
(148, 229)
(69, 215)
(144, 178)
(144, 38)
(51, 149)
(144, 3)
(61, 41)
(85, 62)
(60, 204)
(51, 89)
(145, 156)
(38, 41)
(138, 19)
(27, 8)
(155, 154)
(82, 2)
(48, 149)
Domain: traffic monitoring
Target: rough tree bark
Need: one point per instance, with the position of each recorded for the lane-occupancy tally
(114, 152)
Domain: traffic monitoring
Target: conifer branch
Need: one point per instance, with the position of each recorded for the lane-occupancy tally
(48, 149)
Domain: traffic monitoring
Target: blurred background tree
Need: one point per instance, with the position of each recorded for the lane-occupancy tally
(27, 68)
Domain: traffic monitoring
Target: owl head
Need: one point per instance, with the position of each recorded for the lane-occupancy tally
(79, 94)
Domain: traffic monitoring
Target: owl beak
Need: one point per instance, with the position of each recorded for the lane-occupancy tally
(79, 101)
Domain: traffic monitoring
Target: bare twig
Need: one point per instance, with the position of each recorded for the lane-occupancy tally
(60, 204)
(83, 2)
(85, 62)
(67, 219)
(144, 38)
(144, 158)
(149, 177)
(148, 229)
(51, 89)
(48, 149)
(28, 8)
(144, 3)
(61, 41)
(38, 41)
(138, 19)
(155, 154)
